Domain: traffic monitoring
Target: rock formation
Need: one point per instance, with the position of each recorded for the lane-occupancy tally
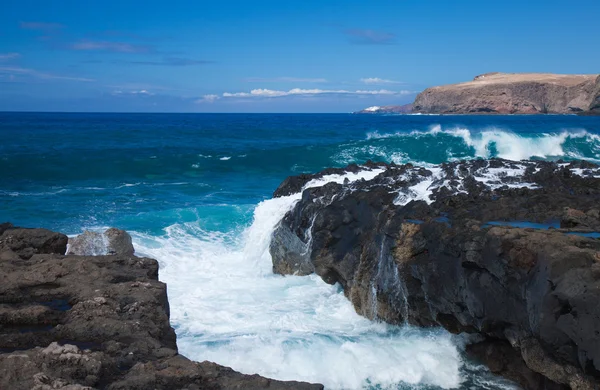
(502, 250)
(514, 93)
(112, 242)
(93, 322)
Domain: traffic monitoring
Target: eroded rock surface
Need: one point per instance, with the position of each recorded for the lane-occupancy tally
(427, 246)
(514, 93)
(93, 322)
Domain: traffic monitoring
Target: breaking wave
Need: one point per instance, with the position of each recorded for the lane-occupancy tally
(437, 145)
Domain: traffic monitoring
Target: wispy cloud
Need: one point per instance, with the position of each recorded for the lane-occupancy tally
(39, 75)
(378, 81)
(142, 92)
(173, 61)
(41, 26)
(115, 34)
(9, 56)
(284, 80)
(115, 47)
(270, 93)
(208, 99)
(142, 86)
(370, 37)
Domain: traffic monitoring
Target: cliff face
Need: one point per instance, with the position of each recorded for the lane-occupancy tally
(94, 322)
(423, 246)
(514, 93)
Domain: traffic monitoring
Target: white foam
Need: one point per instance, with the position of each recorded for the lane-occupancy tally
(225, 158)
(372, 109)
(420, 191)
(507, 144)
(228, 307)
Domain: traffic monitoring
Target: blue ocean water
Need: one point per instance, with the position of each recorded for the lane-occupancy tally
(194, 190)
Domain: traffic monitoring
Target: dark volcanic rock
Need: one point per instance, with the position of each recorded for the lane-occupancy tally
(414, 244)
(82, 322)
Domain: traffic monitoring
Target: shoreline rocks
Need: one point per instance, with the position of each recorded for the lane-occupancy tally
(493, 248)
(94, 322)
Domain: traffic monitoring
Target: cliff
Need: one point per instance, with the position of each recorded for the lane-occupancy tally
(514, 93)
(94, 322)
(505, 251)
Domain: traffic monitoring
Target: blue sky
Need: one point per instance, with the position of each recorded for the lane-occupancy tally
(275, 56)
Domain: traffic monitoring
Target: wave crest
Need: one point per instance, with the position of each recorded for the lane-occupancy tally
(436, 145)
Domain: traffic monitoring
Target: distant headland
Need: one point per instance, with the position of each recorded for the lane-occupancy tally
(508, 93)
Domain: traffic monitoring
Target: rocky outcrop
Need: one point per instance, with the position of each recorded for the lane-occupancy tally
(514, 93)
(112, 242)
(93, 322)
(493, 248)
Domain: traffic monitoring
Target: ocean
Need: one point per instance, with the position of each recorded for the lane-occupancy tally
(194, 191)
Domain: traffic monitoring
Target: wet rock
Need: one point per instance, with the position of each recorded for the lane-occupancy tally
(88, 322)
(414, 245)
(112, 242)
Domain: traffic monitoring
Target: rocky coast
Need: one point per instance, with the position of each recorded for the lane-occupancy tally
(504, 251)
(507, 94)
(514, 93)
(97, 318)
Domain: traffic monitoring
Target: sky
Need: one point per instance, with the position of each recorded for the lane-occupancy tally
(275, 56)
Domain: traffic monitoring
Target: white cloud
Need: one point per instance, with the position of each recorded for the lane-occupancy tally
(269, 93)
(208, 99)
(285, 80)
(377, 80)
(9, 56)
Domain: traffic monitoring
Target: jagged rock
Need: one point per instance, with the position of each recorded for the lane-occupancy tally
(93, 322)
(572, 218)
(514, 93)
(112, 242)
(435, 260)
(26, 242)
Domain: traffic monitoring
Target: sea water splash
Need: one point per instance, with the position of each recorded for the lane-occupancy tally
(228, 307)
(440, 144)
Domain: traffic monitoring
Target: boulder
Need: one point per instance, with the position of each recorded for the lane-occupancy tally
(112, 242)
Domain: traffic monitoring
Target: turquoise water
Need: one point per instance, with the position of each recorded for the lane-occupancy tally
(524, 224)
(194, 191)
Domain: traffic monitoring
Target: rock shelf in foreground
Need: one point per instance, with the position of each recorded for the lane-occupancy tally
(93, 322)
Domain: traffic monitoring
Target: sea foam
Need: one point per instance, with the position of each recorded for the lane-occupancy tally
(228, 307)
(485, 143)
